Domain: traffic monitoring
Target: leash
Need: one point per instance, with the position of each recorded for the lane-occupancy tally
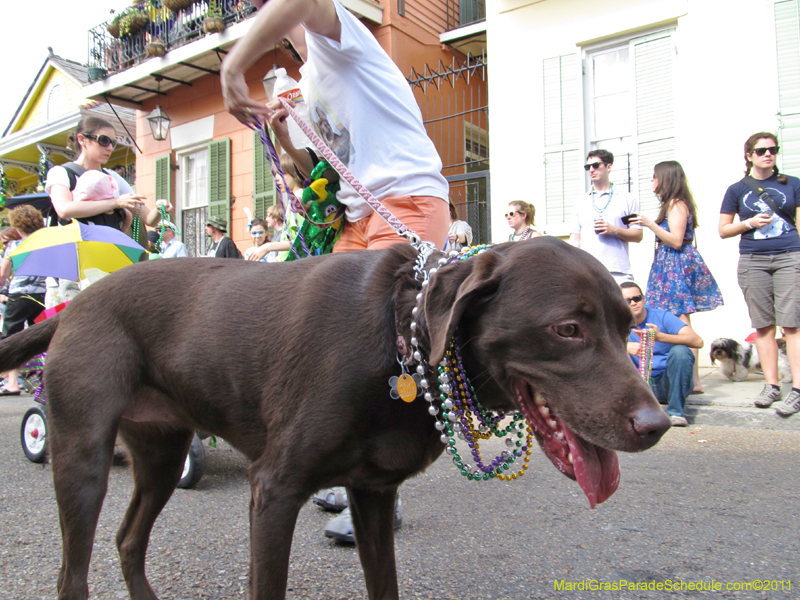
(343, 171)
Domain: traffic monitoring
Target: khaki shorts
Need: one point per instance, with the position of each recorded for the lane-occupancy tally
(771, 286)
(429, 217)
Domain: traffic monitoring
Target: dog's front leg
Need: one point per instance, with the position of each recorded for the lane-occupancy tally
(373, 524)
(274, 507)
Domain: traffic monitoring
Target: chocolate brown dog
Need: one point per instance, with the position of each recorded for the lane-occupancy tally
(542, 326)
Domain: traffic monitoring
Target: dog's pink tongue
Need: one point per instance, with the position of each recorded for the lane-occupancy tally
(596, 469)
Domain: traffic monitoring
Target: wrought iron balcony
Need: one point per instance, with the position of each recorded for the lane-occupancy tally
(115, 46)
(465, 12)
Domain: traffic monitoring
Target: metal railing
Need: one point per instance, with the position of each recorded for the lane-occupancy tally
(464, 12)
(172, 29)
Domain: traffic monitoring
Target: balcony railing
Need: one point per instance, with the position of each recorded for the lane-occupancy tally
(171, 29)
(465, 12)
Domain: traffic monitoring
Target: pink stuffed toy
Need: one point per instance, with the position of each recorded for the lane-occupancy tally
(98, 185)
(95, 185)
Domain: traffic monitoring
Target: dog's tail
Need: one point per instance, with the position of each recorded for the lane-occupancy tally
(22, 346)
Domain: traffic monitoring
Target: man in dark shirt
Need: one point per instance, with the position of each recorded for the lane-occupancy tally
(222, 246)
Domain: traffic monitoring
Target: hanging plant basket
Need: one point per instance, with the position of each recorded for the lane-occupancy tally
(176, 5)
(214, 24)
(113, 29)
(155, 48)
(133, 23)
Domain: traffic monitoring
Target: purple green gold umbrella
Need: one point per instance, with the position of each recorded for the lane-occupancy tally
(67, 252)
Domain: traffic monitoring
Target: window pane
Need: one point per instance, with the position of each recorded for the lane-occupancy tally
(195, 183)
(611, 72)
(612, 115)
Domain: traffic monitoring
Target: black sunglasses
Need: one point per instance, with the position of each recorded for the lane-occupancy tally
(762, 151)
(635, 299)
(103, 140)
(594, 165)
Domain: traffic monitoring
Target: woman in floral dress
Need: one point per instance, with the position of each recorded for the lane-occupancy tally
(680, 281)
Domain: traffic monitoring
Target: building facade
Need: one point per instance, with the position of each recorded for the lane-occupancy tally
(650, 80)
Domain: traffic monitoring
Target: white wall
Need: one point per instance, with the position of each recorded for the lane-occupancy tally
(721, 55)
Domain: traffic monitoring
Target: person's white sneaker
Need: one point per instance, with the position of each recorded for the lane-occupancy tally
(790, 405)
(678, 421)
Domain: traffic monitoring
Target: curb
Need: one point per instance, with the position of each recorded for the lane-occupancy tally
(745, 418)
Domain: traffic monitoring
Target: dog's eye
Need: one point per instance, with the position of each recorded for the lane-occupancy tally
(567, 330)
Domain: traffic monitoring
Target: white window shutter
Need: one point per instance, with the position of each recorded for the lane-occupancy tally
(563, 175)
(655, 110)
(787, 34)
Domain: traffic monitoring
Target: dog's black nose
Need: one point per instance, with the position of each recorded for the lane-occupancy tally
(650, 424)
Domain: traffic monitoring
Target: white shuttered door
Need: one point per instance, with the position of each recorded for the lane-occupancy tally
(655, 111)
(562, 161)
(643, 127)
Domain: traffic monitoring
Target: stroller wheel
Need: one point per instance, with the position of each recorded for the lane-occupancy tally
(33, 434)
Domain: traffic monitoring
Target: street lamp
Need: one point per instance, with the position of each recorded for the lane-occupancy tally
(159, 121)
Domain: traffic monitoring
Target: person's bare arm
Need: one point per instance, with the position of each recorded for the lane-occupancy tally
(677, 217)
(728, 229)
(265, 249)
(575, 239)
(273, 22)
(686, 336)
(66, 208)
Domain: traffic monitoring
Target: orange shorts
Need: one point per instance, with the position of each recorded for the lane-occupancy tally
(427, 216)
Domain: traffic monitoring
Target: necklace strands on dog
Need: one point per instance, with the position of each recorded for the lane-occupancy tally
(457, 408)
(461, 409)
(646, 353)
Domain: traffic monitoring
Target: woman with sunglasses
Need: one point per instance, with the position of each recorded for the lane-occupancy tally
(768, 206)
(520, 218)
(258, 231)
(94, 140)
(679, 281)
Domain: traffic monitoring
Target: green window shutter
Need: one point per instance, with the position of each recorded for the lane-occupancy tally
(219, 179)
(655, 110)
(164, 178)
(264, 193)
(562, 120)
(787, 36)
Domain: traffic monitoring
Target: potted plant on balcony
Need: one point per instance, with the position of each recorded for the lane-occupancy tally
(214, 23)
(113, 25)
(95, 73)
(176, 5)
(134, 21)
(155, 47)
(126, 23)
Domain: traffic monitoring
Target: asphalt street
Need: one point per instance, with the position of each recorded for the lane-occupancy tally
(708, 504)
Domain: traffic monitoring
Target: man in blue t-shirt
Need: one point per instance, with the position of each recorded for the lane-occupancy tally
(672, 374)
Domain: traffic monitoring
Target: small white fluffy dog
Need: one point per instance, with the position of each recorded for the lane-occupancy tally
(737, 360)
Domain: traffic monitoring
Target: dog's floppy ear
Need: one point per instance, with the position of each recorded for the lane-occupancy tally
(452, 291)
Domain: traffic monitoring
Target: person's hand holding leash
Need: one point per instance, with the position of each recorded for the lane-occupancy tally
(236, 96)
(278, 120)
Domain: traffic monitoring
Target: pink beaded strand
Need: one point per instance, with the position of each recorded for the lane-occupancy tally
(646, 353)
